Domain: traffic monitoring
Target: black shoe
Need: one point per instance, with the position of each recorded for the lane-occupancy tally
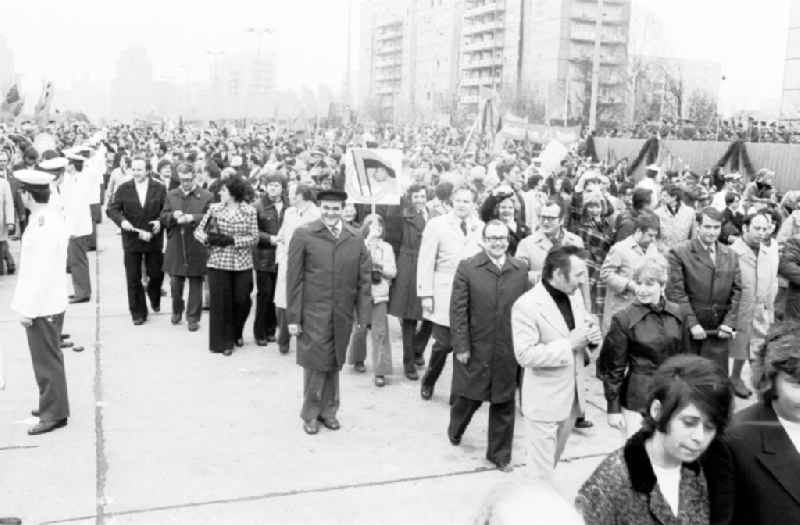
(311, 427)
(193, 326)
(454, 440)
(75, 300)
(412, 374)
(239, 342)
(504, 467)
(271, 339)
(77, 349)
(283, 349)
(227, 351)
(11, 270)
(35, 412)
(8, 520)
(330, 422)
(155, 309)
(261, 342)
(65, 344)
(138, 322)
(360, 368)
(426, 392)
(176, 318)
(582, 423)
(380, 381)
(46, 426)
(64, 336)
(419, 361)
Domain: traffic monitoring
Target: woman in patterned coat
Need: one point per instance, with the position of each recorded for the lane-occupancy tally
(596, 233)
(656, 478)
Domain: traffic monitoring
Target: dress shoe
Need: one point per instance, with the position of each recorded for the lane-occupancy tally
(261, 342)
(582, 423)
(739, 388)
(176, 318)
(35, 412)
(284, 349)
(505, 467)
(155, 309)
(239, 342)
(412, 374)
(426, 392)
(11, 270)
(138, 322)
(227, 351)
(46, 426)
(75, 300)
(193, 326)
(360, 368)
(455, 441)
(65, 344)
(271, 339)
(311, 427)
(10, 521)
(380, 381)
(64, 336)
(330, 422)
(71, 296)
(419, 361)
(77, 349)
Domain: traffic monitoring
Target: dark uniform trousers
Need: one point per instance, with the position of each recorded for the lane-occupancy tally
(44, 338)
(713, 348)
(283, 330)
(501, 425)
(441, 348)
(6, 259)
(78, 264)
(194, 305)
(266, 320)
(153, 261)
(414, 342)
(320, 394)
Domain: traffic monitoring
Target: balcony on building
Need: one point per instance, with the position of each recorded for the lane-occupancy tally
(469, 99)
(490, 26)
(480, 63)
(391, 48)
(487, 80)
(605, 2)
(483, 44)
(587, 13)
(587, 32)
(479, 8)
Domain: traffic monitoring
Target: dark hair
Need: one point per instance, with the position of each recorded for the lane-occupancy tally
(780, 352)
(730, 197)
(306, 191)
(559, 259)
(162, 163)
(646, 221)
(684, 380)
(443, 191)
(752, 215)
(710, 212)
(534, 181)
(75, 163)
(368, 220)
(184, 167)
(142, 158)
(554, 202)
(641, 198)
(414, 188)
(237, 187)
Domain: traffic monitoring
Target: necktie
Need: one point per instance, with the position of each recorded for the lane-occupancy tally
(464, 228)
(712, 255)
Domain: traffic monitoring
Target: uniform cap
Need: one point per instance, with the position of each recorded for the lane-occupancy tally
(34, 179)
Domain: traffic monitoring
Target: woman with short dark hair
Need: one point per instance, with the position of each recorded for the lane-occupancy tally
(657, 477)
(230, 229)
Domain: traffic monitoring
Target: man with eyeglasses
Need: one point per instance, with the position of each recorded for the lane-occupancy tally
(485, 288)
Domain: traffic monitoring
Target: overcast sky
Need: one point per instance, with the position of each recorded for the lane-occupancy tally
(68, 40)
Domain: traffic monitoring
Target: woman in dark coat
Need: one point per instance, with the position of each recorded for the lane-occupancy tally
(403, 301)
(639, 339)
(185, 257)
(656, 478)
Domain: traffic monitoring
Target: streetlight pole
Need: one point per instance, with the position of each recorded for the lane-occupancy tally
(259, 32)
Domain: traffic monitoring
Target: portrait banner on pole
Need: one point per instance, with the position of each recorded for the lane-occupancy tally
(374, 176)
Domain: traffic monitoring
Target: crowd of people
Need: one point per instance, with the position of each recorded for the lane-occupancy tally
(533, 280)
(749, 130)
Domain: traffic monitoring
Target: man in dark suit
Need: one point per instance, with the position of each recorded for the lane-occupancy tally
(136, 209)
(754, 471)
(484, 290)
(705, 280)
(271, 208)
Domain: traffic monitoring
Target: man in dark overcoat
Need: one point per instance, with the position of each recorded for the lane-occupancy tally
(270, 208)
(328, 279)
(485, 288)
(705, 281)
(185, 257)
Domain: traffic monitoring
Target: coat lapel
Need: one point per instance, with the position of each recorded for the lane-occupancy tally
(701, 254)
(550, 312)
(778, 454)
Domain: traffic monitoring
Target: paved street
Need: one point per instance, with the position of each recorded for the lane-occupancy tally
(162, 431)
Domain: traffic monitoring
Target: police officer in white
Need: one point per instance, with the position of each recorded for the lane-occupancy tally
(40, 297)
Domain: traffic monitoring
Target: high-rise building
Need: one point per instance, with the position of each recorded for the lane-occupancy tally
(790, 101)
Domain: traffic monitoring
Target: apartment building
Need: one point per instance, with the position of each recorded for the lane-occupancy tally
(790, 100)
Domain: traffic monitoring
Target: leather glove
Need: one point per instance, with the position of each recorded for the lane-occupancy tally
(219, 239)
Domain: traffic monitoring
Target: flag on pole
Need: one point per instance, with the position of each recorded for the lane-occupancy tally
(12, 104)
(42, 108)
